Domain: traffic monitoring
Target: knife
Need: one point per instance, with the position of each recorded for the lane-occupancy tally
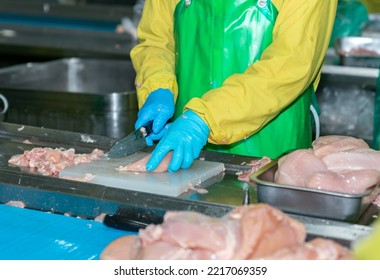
(131, 143)
(133, 220)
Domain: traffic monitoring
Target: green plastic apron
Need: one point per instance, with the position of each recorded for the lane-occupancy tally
(215, 39)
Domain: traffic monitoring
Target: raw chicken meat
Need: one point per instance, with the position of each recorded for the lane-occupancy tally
(377, 201)
(140, 165)
(335, 163)
(86, 178)
(354, 159)
(49, 161)
(16, 203)
(247, 232)
(255, 165)
(316, 249)
(326, 145)
(353, 182)
(296, 168)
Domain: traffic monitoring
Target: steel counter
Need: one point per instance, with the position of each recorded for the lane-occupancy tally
(89, 200)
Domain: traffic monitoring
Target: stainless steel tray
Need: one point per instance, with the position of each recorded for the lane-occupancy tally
(94, 96)
(310, 202)
(358, 51)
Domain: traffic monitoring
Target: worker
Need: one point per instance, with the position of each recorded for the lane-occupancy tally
(229, 76)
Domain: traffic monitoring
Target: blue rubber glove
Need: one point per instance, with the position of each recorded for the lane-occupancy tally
(159, 108)
(185, 137)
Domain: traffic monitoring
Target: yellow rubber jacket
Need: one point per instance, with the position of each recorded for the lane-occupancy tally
(286, 68)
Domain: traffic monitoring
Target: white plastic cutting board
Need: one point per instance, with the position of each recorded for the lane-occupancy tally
(169, 184)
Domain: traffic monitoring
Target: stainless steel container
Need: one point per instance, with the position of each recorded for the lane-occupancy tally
(311, 202)
(346, 98)
(95, 96)
(358, 51)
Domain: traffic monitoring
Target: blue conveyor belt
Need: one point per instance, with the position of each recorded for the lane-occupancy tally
(35, 235)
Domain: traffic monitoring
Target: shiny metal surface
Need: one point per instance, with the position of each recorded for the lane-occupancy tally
(346, 98)
(311, 202)
(99, 76)
(66, 9)
(38, 43)
(360, 76)
(95, 96)
(33, 31)
(132, 143)
(358, 51)
(89, 200)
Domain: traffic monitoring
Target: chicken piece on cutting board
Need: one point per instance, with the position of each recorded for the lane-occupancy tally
(140, 165)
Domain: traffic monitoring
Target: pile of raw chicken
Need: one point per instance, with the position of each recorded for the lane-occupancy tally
(248, 232)
(334, 163)
(50, 161)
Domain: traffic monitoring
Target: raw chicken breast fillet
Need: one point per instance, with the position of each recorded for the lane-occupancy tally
(247, 232)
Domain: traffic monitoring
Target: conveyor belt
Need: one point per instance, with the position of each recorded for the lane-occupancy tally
(36, 235)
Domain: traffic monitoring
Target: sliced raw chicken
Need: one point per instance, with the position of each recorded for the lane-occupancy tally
(49, 161)
(140, 165)
(265, 230)
(255, 166)
(295, 168)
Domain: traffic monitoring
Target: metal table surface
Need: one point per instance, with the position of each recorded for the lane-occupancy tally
(88, 200)
(39, 42)
(45, 30)
(49, 9)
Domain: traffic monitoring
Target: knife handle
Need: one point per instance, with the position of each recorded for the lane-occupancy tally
(147, 129)
(133, 220)
(123, 223)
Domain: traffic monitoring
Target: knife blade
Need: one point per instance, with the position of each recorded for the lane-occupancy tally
(131, 143)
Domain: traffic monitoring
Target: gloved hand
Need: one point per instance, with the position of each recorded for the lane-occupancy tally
(185, 137)
(159, 108)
